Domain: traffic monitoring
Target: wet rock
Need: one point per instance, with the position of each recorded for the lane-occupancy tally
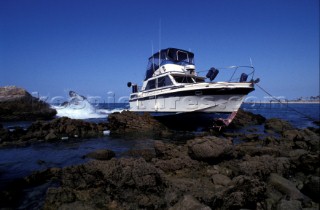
(147, 154)
(303, 139)
(130, 183)
(244, 192)
(251, 137)
(245, 118)
(190, 184)
(255, 149)
(293, 135)
(41, 177)
(311, 188)
(174, 164)
(50, 136)
(277, 125)
(132, 125)
(289, 204)
(166, 150)
(285, 187)
(308, 163)
(296, 154)
(55, 130)
(171, 158)
(188, 202)
(263, 166)
(209, 149)
(101, 154)
(220, 179)
(17, 104)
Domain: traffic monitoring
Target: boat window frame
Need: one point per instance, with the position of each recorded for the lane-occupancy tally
(156, 80)
(184, 76)
(153, 85)
(166, 79)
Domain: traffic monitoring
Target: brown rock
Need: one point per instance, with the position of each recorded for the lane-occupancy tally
(277, 125)
(188, 202)
(262, 166)
(285, 187)
(209, 149)
(101, 154)
(220, 179)
(131, 124)
(291, 204)
(244, 192)
(245, 118)
(17, 104)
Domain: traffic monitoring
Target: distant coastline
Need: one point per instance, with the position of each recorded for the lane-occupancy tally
(282, 102)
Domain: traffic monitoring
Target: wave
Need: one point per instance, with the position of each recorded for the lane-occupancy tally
(78, 107)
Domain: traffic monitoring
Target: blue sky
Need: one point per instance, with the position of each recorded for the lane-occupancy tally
(97, 46)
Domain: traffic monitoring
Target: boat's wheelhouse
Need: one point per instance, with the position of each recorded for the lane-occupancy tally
(158, 82)
(170, 59)
(168, 80)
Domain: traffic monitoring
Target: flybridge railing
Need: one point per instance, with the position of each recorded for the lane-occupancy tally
(236, 74)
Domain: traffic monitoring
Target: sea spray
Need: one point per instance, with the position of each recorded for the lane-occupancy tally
(78, 107)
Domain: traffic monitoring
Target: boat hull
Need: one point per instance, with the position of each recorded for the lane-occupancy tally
(197, 104)
(197, 100)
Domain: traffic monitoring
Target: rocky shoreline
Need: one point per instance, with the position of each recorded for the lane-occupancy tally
(278, 169)
(274, 166)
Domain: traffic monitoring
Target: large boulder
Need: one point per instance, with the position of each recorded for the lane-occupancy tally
(166, 150)
(131, 124)
(303, 139)
(101, 154)
(188, 202)
(170, 157)
(17, 104)
(245, 118)
(289, 204)
(209, 149)
(277, 125)
(285, 186)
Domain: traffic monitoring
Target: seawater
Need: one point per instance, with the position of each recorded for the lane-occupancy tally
(299, 115)
(19, 162)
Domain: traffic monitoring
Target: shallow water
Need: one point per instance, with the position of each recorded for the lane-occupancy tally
(21, 161)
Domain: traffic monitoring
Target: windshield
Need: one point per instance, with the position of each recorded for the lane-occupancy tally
(183, 79)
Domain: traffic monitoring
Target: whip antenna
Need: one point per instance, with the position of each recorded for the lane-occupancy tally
(159, 40)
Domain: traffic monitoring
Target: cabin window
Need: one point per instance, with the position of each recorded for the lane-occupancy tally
(151, 84)
(183, 79)
(164, 81)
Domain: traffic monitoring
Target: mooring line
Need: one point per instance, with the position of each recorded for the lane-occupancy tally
(292, 109)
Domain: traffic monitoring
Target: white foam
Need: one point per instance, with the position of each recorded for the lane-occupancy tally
(78, 107)
(83, 110)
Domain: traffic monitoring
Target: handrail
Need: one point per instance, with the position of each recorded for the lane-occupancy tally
(235, 68)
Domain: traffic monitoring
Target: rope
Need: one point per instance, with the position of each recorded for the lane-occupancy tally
(292, 109)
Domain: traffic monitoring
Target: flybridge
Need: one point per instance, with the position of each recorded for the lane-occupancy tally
(168, 56)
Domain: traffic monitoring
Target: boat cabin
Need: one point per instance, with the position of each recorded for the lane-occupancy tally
(169, 56)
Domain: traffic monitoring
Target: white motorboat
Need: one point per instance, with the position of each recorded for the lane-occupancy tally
(173, 88)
